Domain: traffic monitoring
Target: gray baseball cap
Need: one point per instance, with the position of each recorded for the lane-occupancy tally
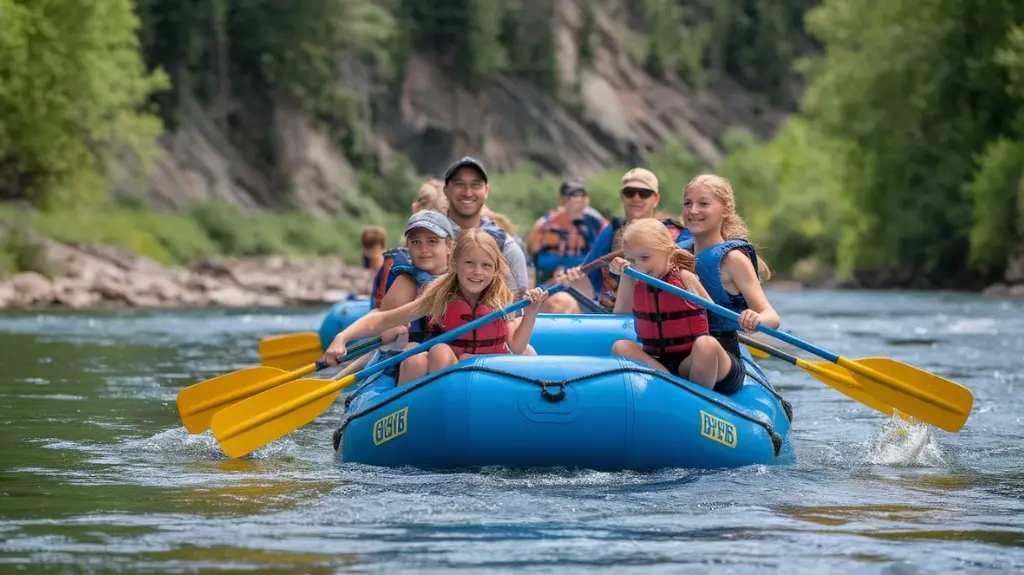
(433, 221)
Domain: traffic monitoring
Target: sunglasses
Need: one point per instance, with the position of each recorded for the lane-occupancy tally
(632, 193)
(575, 194)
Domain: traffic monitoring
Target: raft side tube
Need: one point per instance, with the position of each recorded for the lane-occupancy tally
(594, 413)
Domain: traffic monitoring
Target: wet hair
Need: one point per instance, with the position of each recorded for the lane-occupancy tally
(733, 226)
(652, 234)
(373, 236)
(446, 288)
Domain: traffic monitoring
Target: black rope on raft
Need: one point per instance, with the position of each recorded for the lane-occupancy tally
(759, 419)
(763, 382)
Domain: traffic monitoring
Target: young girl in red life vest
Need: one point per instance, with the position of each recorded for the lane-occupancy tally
(673, 332)
(473, 287)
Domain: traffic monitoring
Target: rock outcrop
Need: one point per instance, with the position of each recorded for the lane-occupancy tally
(102, 276)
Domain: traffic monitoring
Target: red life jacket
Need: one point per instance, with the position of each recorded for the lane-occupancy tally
(491, 338)
(665, 323)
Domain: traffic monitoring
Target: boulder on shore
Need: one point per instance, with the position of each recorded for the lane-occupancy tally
(94, 275)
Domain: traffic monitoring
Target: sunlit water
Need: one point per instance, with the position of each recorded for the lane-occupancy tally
(96, 474)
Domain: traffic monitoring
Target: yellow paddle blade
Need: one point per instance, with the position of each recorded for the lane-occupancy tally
(922, 395)
(257, 421)
(840, 380)
(199, 402)
(758, 354)
(290, 350)
(194, 405)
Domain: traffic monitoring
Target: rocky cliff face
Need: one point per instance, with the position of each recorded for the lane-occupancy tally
(620, 114)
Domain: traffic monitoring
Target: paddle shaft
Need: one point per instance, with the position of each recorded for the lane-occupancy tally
(338, 385)
(796, 342)
(259, 387)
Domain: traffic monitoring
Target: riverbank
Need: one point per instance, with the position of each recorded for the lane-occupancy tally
(96, 275)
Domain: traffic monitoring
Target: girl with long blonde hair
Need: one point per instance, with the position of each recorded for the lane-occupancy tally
(726, 262)
(673, 332)
(473, 287)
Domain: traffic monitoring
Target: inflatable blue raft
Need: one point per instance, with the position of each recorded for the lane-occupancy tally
(570, 406)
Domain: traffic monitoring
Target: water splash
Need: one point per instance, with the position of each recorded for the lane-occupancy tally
(905, 443)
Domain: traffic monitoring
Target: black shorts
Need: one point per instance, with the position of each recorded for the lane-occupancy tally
(671, 362)
(728, 385)
(733, 381)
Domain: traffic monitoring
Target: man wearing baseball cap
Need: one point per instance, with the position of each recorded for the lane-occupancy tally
(639, 194)
(467, 189)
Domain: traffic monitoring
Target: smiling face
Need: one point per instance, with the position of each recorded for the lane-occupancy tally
(703, 210)
(429, 252)
(467, 192)
(644, 258)
(475, 269)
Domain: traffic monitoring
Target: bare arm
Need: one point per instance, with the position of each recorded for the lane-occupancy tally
(519, 335)
(692, 284)
(376, 323)
(401, 292)
(624, 294)
(739, 271)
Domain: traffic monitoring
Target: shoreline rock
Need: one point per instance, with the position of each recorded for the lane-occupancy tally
(102, 276)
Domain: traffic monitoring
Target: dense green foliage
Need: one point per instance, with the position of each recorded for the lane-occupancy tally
(205, 229)
(923, 93)
(72, 87)
(754, 42)
(906, 157)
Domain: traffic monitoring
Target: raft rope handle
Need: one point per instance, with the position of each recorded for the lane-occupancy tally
(776, 439)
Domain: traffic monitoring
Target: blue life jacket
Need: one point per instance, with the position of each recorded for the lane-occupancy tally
(422, 278)
(709, 270)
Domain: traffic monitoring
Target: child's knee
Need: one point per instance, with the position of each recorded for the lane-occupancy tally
(624, 347)
(420, 359)
(705, 347)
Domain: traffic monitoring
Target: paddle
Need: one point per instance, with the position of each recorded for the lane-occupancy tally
(831, 374)
(290, 350)
(198, 403)
(918, 393)
(257, 421)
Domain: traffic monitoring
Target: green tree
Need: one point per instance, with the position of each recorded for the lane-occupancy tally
(72, 91)
(915, 89)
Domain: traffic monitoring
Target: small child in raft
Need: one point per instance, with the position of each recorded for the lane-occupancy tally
(673, 332)
(373, 240)
(473, 287)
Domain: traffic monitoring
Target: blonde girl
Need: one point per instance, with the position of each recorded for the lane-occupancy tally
(673, 332)
(473, 287)
(726, 261)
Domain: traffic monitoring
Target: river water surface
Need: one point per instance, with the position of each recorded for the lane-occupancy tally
(97, 474)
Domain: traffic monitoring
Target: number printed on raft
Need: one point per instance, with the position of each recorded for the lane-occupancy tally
(390, 426)
(717, 429)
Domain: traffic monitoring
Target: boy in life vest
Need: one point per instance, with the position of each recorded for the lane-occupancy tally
(373, 240)
(727, 263)
(473, 287)
(673, 332)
